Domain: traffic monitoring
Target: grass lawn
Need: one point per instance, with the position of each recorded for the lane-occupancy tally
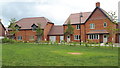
(29, 54)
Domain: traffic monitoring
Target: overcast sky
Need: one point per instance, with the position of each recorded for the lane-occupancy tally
(55, 10)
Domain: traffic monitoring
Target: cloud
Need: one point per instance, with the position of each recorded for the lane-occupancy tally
(55, 10)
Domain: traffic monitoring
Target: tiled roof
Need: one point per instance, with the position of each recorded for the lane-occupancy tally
(75, 18)
(26, 23)
(56, 30)
(2, 25)
(97, 32)
(106, 14)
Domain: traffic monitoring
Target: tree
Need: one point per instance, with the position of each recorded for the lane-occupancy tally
(13, 27)
(112, 29)
(69, 30)
(39, 32)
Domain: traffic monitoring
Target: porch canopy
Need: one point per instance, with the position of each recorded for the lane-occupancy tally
(97, 32)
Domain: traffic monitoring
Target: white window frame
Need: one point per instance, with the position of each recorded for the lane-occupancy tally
(92, 26)
(77, 27)
(93, 36)
(76, 37)
(19, 37)
(104, 24)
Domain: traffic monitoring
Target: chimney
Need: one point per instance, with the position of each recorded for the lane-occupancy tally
(98, 4)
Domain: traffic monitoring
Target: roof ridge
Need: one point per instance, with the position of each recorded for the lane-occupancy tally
(82, 12)
(32, 17)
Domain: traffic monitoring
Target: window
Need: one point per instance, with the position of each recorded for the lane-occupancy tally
(92, 26)
(19, 37)
(93, 36)
(105, 24)
(34, 27)
(77, 26)
(76, 37)
(31, 37)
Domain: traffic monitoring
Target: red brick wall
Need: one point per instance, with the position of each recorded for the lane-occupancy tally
(26, 35)
(46, 30)
(76, 32)
(58, 38)
(98, 18)
(2, 30)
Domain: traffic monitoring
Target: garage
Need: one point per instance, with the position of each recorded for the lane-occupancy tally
(52, 38)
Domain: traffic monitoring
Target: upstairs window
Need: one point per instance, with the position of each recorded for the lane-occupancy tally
(105, 24)
(17, 27)
(76, 37)
(77, 26)
(92, 26)
(34, 27)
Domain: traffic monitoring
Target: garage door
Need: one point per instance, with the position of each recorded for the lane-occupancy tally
(53, 38)
(61, 38)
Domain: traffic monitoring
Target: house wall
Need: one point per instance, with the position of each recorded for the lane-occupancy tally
(47, 30)
(2, 31)
(76, 32)
(98, 18)
(26, 35)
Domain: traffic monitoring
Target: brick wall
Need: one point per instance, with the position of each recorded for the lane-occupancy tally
(98, 18)
(76, 32)
(46, 30)
(2, 31)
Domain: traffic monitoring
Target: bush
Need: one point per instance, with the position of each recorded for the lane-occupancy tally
(7, 40)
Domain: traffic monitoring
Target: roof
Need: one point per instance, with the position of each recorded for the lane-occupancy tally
(97, 32)
(26, 23)
(56, 30)
(2, 25)
(103, 11)
(75, 18)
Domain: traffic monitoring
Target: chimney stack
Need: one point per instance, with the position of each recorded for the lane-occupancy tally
(98, 4)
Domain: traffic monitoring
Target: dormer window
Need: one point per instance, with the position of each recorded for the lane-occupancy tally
(105, 24)
(17, 27)
(34, 27)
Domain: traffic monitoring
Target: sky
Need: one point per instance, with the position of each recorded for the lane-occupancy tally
(56, 11)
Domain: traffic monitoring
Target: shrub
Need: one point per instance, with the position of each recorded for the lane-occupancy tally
(7, 40)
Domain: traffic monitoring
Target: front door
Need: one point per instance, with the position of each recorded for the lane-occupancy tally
(68, 38)
(105, 38)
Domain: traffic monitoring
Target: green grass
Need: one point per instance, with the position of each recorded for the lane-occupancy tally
(29, 54)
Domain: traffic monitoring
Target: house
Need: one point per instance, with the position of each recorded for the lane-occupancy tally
(56, 33)
(91, 26)
(2, 30)
(27, 29)
(118, 33)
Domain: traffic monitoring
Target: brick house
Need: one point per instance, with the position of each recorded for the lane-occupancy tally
(27, 28)
(2, 30)
(92, 26)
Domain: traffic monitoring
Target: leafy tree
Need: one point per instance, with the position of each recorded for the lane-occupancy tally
(13, 27)
(70, 29)
(39, 32)
(112, 29)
